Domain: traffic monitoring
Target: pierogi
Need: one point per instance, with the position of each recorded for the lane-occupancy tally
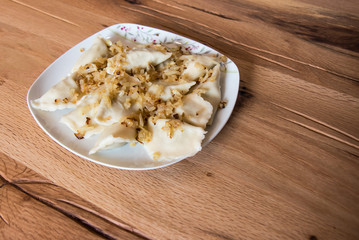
(158, 95)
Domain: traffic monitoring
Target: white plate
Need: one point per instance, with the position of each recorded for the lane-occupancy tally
(126, 157)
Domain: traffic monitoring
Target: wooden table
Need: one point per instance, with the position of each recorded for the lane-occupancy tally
(284, 167)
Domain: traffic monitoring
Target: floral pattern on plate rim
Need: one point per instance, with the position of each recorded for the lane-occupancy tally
(147, 35)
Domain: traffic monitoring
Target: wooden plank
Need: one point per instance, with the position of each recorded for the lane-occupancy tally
(33, 207)
(285, 166)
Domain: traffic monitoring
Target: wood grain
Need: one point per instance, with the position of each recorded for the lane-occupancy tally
(31, 206)
(284, 167)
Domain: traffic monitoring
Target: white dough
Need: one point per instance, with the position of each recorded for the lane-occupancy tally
(212, 90)
(143, 57)
(196, 64)
(185, 142)
(114, 136)
(63, 89)
(165, 90)
(205, 60)
(97, 49)
(195, 110)
(77, 119)
(115, 113)
(138, 58)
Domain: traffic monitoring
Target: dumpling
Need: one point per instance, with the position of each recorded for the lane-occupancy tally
(195, 110)
(212, 91)
(196, 66)
(143, 57)
(205, 60)
(115, 112)
(137, 58)
(60, 96)
(114, 136)
(81, 120)
(165, 90)
(98, 49)
(182, 88)
(173, 139)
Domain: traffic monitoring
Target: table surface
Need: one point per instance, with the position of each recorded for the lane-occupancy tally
(284, 167)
